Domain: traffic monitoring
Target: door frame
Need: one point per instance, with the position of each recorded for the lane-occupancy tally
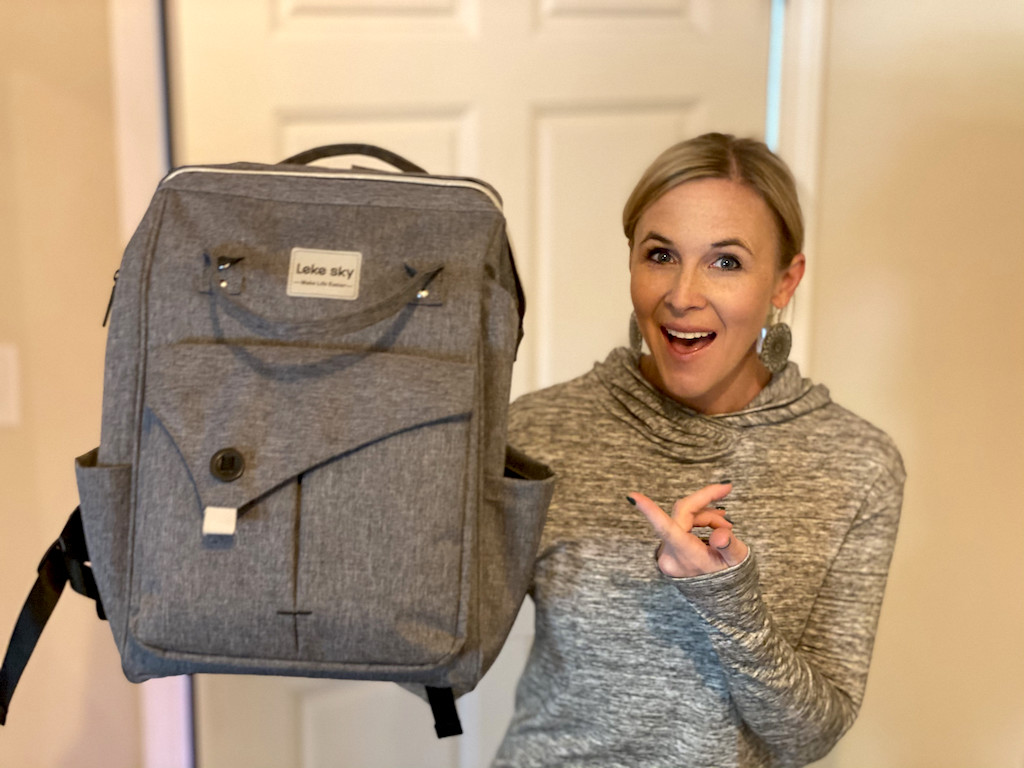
(141, 150)
(141, 145)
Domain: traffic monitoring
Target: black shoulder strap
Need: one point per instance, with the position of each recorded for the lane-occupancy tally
(65, 561)
(446, 717)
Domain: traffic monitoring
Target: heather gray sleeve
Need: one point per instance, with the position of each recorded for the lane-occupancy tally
(800, 698)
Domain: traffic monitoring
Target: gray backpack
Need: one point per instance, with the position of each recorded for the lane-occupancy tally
(302, 467)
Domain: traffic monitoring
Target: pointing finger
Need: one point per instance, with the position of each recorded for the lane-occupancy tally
(663, 524)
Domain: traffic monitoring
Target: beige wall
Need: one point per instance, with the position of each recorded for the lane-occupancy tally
(919, 325)
(58, 251)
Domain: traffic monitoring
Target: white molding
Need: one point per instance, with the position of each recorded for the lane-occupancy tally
(166, 717)
(139, 118)
(141, 151)
(804, 56)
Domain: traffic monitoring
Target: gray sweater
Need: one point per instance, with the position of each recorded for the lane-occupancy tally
(763, 664)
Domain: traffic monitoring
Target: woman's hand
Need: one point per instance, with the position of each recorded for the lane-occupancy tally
(682, 553)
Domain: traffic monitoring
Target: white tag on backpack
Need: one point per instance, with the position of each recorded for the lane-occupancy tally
(320, 274)
(220, 521)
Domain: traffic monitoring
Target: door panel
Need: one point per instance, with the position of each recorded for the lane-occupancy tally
(559, 104)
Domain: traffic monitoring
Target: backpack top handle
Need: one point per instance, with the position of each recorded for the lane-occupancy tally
(340, 150)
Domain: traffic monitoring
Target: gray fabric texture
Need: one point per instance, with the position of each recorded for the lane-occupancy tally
(763, 664)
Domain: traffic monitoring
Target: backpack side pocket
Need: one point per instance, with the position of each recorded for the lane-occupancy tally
(105, 496)
(512, 519)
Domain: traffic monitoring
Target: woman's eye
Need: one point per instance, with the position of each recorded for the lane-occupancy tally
(727, 263)
(659, 256)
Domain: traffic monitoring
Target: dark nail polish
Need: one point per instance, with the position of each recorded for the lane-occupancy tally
(724, 482)
(721, 508)
(631, 500)
(726, 545)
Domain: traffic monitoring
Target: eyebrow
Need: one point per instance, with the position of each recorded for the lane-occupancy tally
(730, 241)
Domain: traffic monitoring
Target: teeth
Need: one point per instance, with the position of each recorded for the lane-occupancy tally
(688, 336)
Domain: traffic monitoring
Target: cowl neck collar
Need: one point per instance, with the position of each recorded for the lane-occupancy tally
(685, 434)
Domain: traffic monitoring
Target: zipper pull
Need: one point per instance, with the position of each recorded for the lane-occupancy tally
(110, 303)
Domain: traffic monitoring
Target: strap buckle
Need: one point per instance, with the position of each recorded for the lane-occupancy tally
(70, 555)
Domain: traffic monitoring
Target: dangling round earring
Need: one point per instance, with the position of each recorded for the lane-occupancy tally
(776, 341)
(636, 339)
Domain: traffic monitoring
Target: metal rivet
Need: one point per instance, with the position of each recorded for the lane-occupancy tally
(227, 464)
(423, 294)
(223, 283)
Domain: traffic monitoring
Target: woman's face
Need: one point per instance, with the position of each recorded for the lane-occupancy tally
(703, 275)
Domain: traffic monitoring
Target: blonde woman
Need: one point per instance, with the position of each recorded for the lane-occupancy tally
(711, 572)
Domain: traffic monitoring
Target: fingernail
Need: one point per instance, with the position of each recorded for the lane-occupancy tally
(727, 543)
(631, 500)
(724, 482)
(721, 508)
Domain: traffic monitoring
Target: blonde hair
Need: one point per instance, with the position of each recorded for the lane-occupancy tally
(722, 156)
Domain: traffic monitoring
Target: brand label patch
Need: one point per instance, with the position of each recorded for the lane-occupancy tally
(324, 274)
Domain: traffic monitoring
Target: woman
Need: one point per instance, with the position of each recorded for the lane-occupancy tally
(745, 639)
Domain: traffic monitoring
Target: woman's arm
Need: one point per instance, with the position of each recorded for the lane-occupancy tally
(801, 698)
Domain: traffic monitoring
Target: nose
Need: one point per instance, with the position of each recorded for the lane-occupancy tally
(686, 292)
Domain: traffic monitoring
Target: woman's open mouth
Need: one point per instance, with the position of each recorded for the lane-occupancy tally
(688, 342)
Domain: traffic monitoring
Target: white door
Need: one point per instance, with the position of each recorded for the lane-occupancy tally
(559, 104)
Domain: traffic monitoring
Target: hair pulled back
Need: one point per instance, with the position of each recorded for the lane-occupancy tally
(722, 156)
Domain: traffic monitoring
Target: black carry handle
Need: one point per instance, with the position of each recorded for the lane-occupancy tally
(65, 561)
(366, 150)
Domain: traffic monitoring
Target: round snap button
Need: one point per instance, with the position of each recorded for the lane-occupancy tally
(227, 464)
